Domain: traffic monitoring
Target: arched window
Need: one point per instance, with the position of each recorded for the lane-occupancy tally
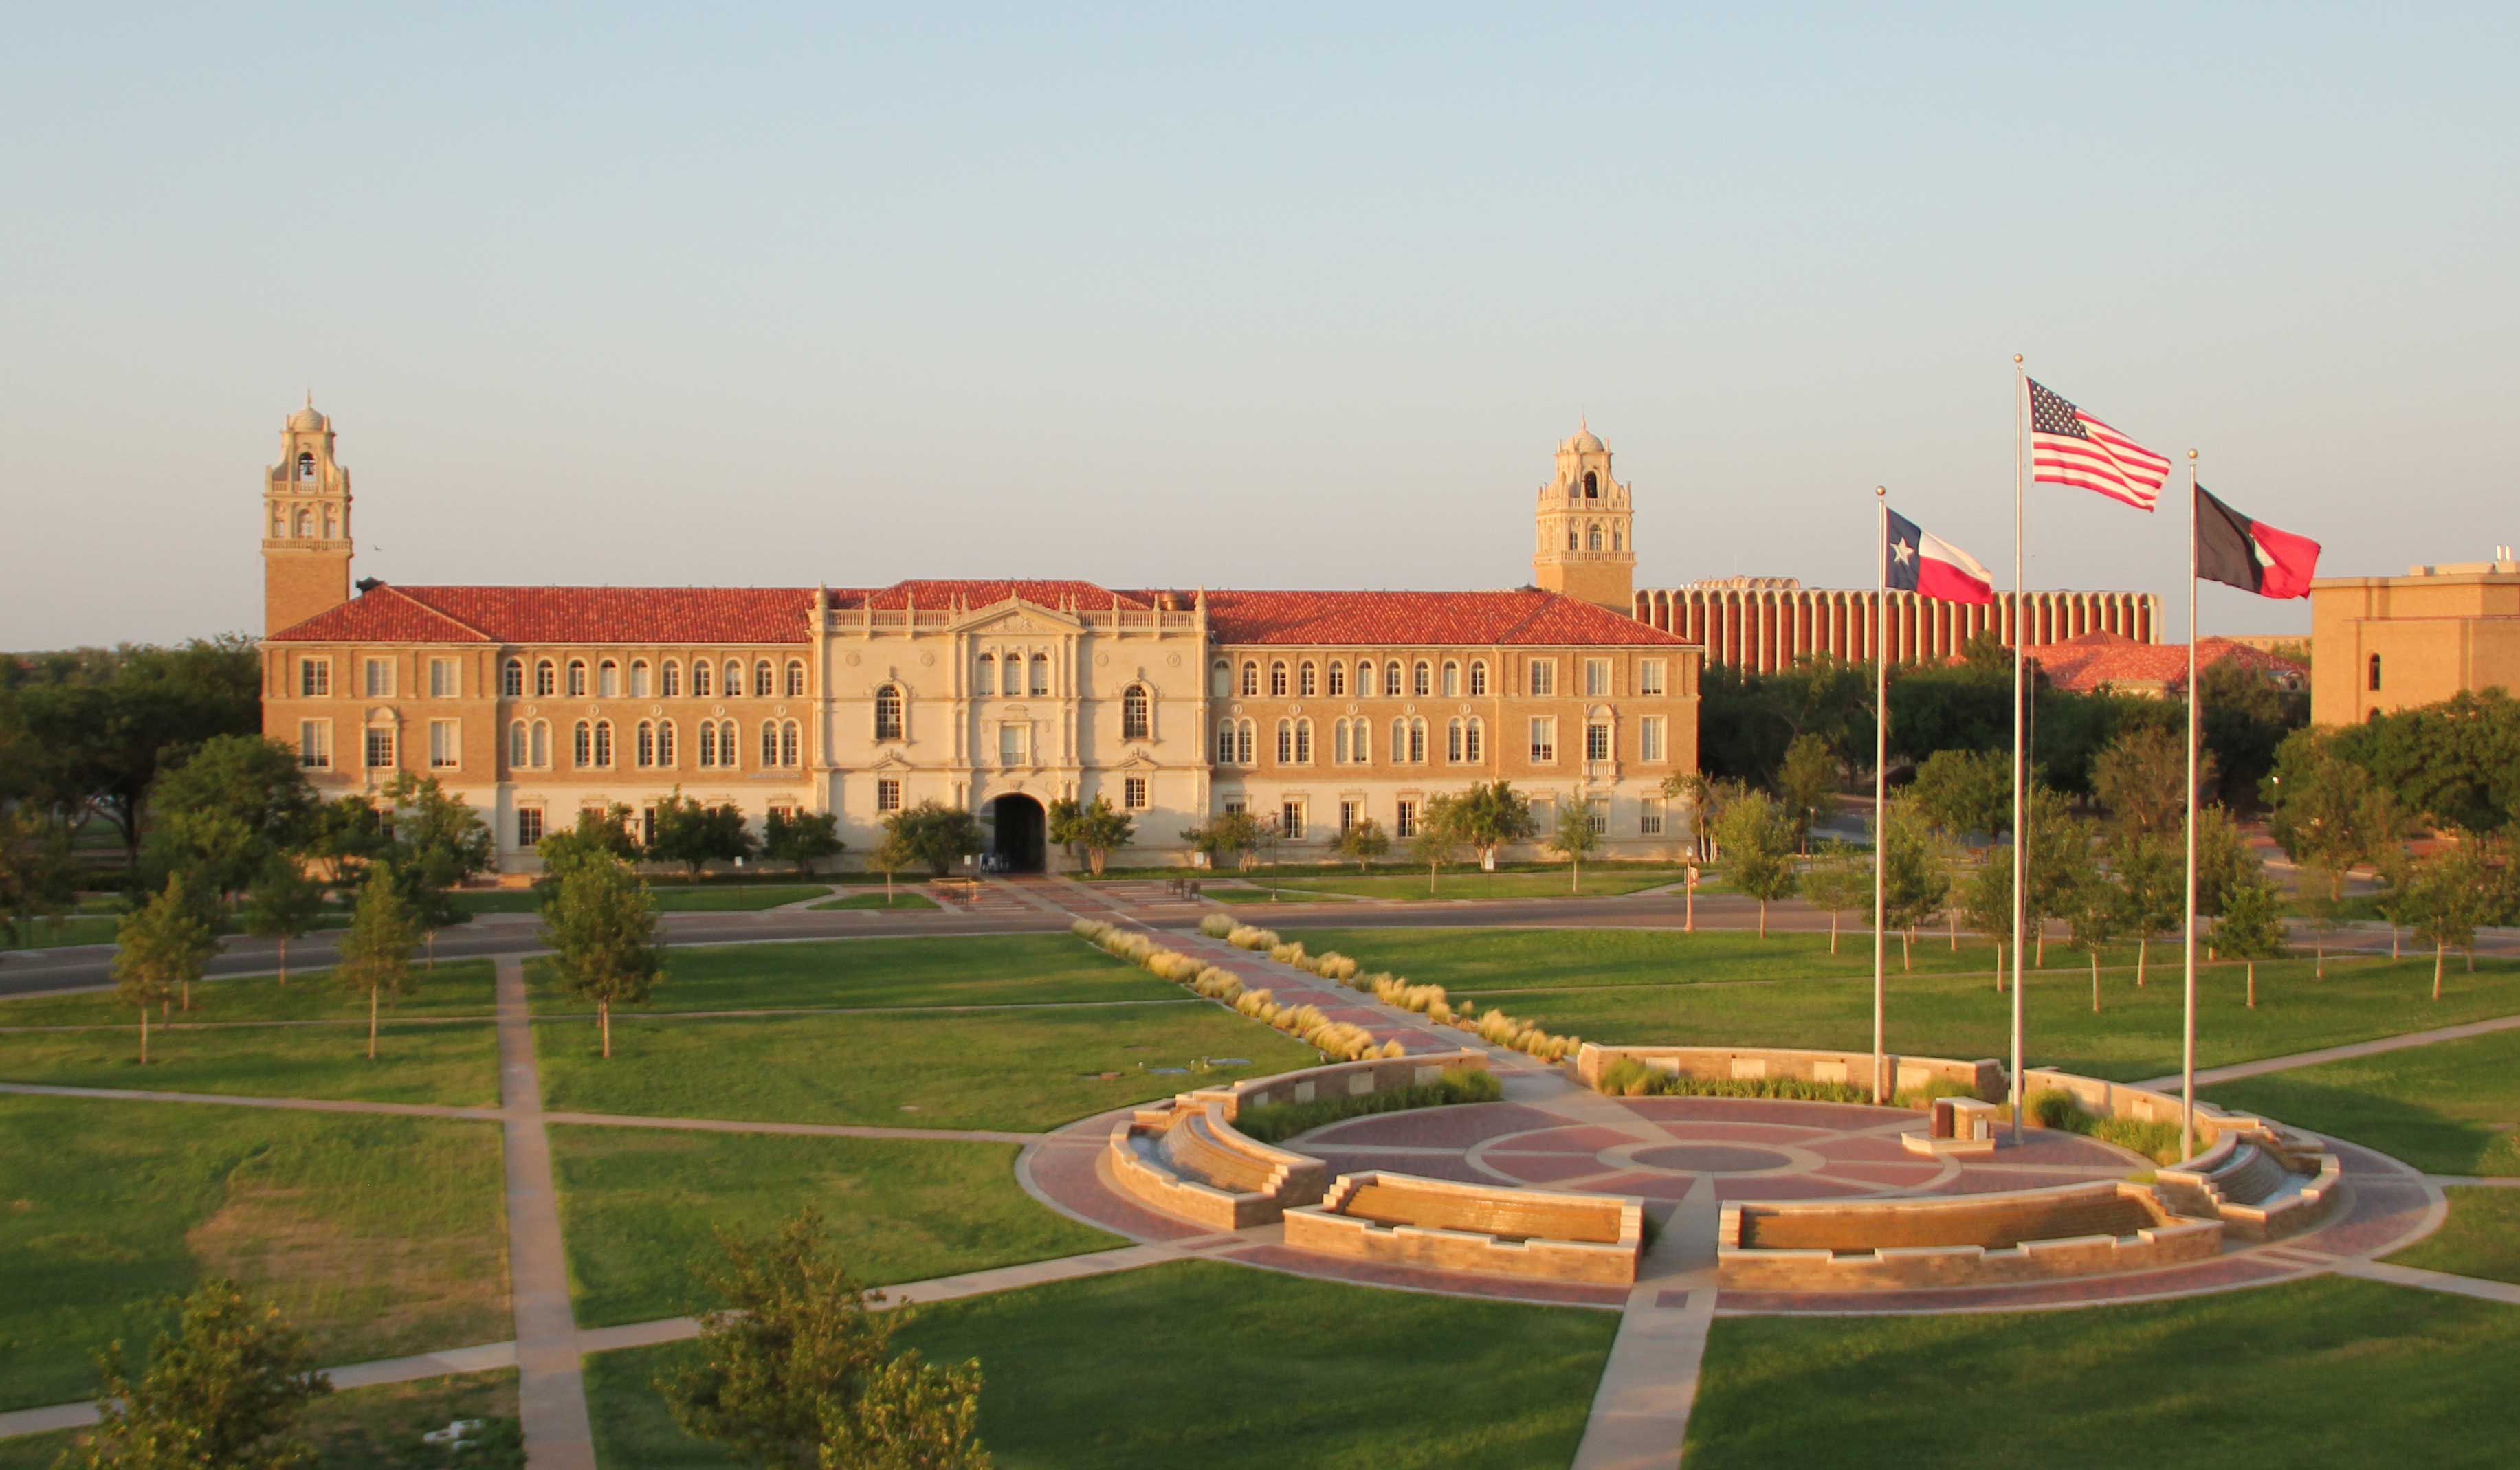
(1453, 741)
(604, 742)
(1245, 738)
(1416, 742)
(769, 742)
(887, 712)
(1250, 679)
(795, 679)
(644, 751)
(1012, 684)
(1452, 678)
(1277, 680)
(1041, 673)
(577, 678)
(306, 525)
(1225, 743)
(1285, 742)
(541, 752)
(546, 679)
(732, 683)
(664, 742)
(581, 747)
(702, 678)
(1136, 722)
(305, 464)
(607, 680)
(1593, 538)
(1572, 543)
(1220, 679)
(1308, 680)
(1399, 740)
(517, 747)
(1303, 742)
(1421, 681)
(1338, 681)
(1591, 486)
(788, 744)
(1474, 747)
(1338, 740)
(511, 679)
(1616, 539)
(1391, 679)
(708, 744)
(279, 523)
(670, 679)
(763, 685)
(2375, 671)
(725, 743)
(1478, 678)
(639, 681)
(328, 532)
(1363, 742)
(984, 677)
(1365, 679)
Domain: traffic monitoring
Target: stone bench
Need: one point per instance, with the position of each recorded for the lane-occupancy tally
(1355, 1079)
(1402, 1219)
(1187, 1160)
(1890, 1244)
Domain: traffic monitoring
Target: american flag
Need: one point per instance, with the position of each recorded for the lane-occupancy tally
(2070, 447)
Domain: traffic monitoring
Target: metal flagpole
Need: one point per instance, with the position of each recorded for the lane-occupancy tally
(1880, 778)
(2188, 1043)
(2020, 635)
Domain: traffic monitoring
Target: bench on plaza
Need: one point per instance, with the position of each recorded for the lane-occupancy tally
(1185, 1158)
(1402, 1219)
(1936, 1240)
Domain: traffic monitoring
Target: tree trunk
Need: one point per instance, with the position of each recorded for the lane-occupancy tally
(2439, 952)
(432, 949)
(372, 1023)
(603, 1018)
(1832, 931)
(2143, 945)
(2095, 980)
(1907, 946)
(1575, 884)
(284, 960)
(2471, 961)
(188, 995)
(887, 890)
(2393, 941)
(144, 1035)
(1998, 967)
(2319, 946)
(2038, 956)
(1952, 921)
(2253, 984)
(1763, 919)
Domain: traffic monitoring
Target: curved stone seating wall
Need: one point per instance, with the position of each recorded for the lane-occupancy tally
(1402, 1219)
(1187, 1159)
(1971, 1240)
(2262, 1182)
(1983, 1078)
(1355, 1079)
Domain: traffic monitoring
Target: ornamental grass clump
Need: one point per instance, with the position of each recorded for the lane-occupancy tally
(1216, 925)
(2058, 1109)
(1335, 966)
(1216, 985)
(1247, 937)
(1291, 953)
(1089, 929)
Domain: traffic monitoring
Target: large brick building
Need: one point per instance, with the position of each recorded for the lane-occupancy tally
(2379, 645)
(1311, 709)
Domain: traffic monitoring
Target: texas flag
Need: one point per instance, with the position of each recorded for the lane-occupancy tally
(1930, 566)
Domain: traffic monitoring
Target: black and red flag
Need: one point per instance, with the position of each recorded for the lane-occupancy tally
(2251, 555)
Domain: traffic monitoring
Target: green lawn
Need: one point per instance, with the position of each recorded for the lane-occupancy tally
(377, 1236)
(1027, 1070)
(85, 928)
(453, 1062)
(1645, 985)
(373, 1428)
(2448, 1108)
(640, 1206)
(992, 970)
(897, 900)
(1598, 881)
(1218, 1366)
(671, 898)
(2333, 1371)
(456, 987)
(2481, 1238)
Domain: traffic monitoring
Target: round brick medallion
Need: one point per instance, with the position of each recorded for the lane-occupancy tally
(1710, 1158)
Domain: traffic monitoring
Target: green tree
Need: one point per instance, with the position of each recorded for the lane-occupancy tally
(283, 903)
(605, 944)
(39, 878)
(2326, 810)
(600, 835)
(1803, 782)
(2247, 717)
(2094, 905)
(697, 835)
(1058, 823)
(2251, 927)
(351, 835)
(1575, 836)
(2447, 896)
(1839, 881)
(223, 809)
(1916, 877)
(797, 1367)
(1966, 792)
(2142, 778)
(2319, 897)
(223, 1389)
(1489, 815)
(439, 844)
(804, 838)
(939, 836)
(1101, 829)
(2060, 850)
(1361, 843)
(1440, 837)
(890, 856)
(1986, 904)
(1705, 797)
(160, 946)
(1757, 836)
(375, 952)
(2151, 870)
(2455, 764)
(1233, 834)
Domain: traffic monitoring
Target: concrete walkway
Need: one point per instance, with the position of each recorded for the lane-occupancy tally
(2431, 1281)
(2207, 1075)
(1640, 1409)
(551, 1385)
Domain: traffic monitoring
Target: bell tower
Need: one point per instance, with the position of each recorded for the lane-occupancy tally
(1586, 529)
(306, 525)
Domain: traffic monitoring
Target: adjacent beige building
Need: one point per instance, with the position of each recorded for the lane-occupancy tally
(1313, 710)
(2383, 643)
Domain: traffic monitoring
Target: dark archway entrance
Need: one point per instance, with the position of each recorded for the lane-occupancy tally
(1021, 833)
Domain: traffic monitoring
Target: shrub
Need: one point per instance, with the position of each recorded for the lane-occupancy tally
(2055, 1108)
(2156, 1141)
(1215, 926)
(1630, 1077)
(1922, 1098)
(1247, 937)
(1088, 929)
(1291, 953)
(1273, 1122)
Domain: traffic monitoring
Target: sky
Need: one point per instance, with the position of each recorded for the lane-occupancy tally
(1295, 298)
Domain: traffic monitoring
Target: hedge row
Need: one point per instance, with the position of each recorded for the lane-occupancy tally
(1339, 1041)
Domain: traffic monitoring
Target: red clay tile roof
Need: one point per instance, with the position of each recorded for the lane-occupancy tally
(2085, 663)
(565, 615)
(981, 592)
(1449, 618)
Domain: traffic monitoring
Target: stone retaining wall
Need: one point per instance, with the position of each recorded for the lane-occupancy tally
(1609, 1260)
(1144, 1167)
(1355, 1079)
(2168, 1240)
(1984, 1079)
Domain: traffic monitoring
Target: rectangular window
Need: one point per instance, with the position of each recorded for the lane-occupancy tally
(446, 744)
(529, 825)
(1596, 677)
(1543, 739)
(647, 825)
(445, 682)
(1649, 743)
(887, 795)
(1015, 742)
(1291, 820)
(380, 749)
(1404, 819)
(1649, 816)
(1597, 740)
(314, 678)
(1598, 809)
(1348, 816)
(381, 681)
(1234, 804)
(1650, 677)
(1133, 793)
(315, 745)
(1544, 677)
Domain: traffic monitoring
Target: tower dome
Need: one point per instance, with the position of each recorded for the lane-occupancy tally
(308, 422)
(1585, 441)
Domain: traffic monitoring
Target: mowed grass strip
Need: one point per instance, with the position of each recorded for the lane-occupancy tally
(897, 900)
(639, 1208)
(1219, 1367)
(1596, 881)
(1683, 999)
(671, 898)
(1020, 1070)
(1536, 959)
(1012, 969)
(2323, 1372)
(2452, 1107)
(376, 1428)
(376, 1236)
(456, 987)
(2480, 1238)
(453, 1063)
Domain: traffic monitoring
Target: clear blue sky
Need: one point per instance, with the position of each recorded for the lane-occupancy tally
(1302, 297)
